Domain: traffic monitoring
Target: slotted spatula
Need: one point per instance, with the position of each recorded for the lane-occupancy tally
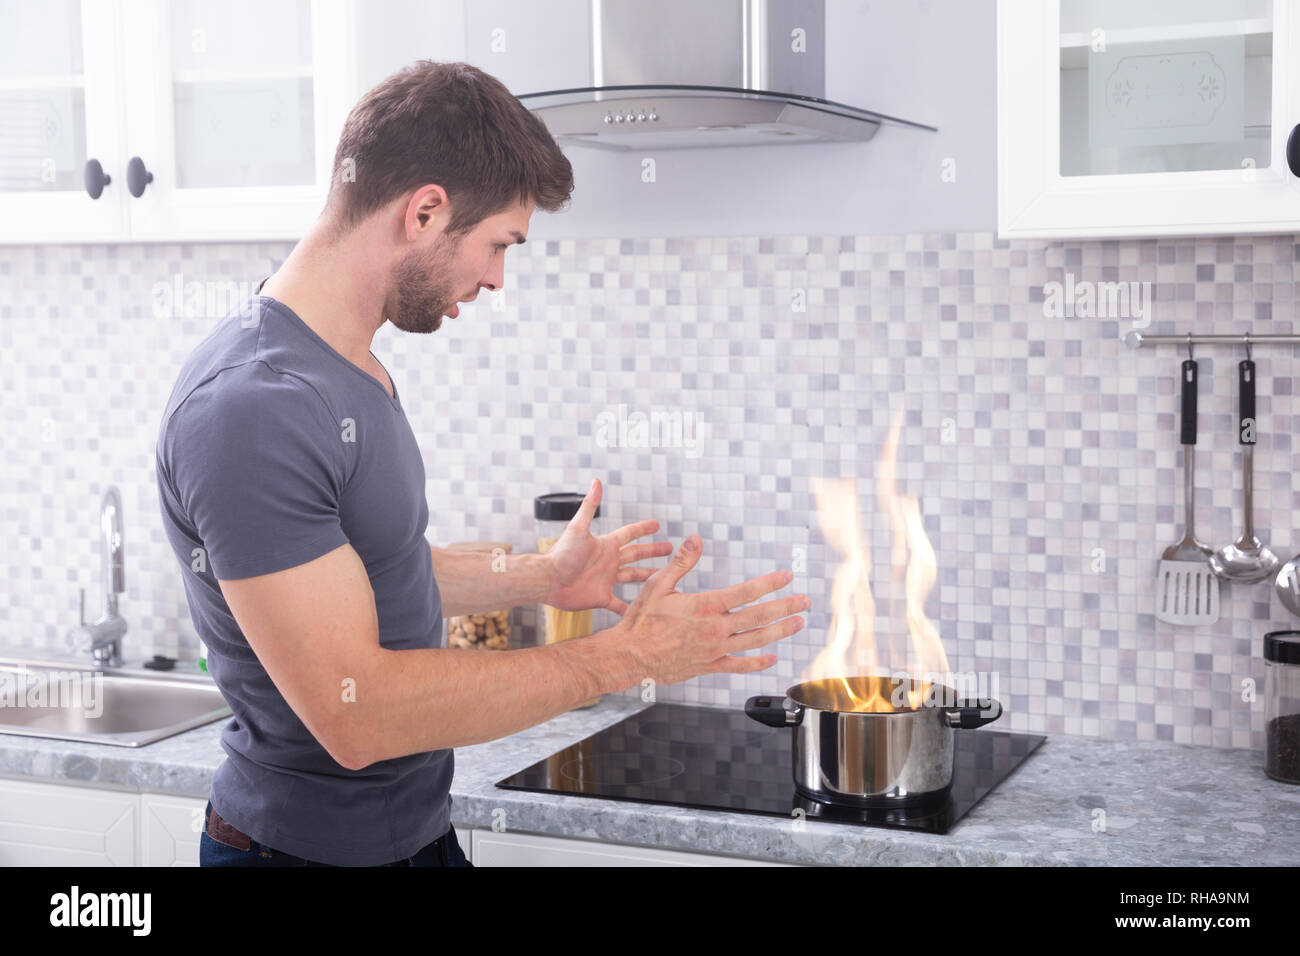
(1187, 592)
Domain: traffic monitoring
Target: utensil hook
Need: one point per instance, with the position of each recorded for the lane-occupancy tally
(1246, 338)
(1190, 356)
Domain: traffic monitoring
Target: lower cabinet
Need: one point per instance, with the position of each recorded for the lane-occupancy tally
(169, 830)
(43, 824)
(57, 824)
(527, 849)
(64, 824)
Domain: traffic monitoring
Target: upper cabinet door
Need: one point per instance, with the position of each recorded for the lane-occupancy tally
(1166, 117)
(59, 101)
(233, 111)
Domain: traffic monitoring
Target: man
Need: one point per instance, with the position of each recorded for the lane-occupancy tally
(292, 492)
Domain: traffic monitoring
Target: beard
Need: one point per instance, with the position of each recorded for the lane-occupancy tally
(422, 288)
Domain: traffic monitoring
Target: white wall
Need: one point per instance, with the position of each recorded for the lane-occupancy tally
(930, 61)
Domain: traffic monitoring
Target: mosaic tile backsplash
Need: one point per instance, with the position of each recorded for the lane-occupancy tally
(1043, 452)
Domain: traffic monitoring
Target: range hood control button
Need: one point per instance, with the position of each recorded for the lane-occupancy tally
(653, 116)
(608, 118)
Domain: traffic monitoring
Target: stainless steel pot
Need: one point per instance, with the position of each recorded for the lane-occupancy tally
(858, 741)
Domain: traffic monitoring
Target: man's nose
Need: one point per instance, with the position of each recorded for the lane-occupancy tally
(496, 275)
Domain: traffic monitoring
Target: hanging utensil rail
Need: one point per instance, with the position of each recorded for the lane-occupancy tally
(1136, 340)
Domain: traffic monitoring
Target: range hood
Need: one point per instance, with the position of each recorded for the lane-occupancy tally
(676, 74)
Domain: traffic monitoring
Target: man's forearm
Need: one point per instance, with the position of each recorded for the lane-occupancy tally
(476, 582)
(415, 701)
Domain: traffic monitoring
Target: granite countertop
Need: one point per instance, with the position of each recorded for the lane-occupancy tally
(1165, 804)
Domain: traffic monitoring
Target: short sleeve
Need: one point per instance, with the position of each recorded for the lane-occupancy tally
(258, 466)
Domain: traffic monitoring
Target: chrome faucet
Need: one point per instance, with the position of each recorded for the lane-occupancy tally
(103, 638)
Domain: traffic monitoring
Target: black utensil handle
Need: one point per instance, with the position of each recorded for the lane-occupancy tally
(1246, 385)
(975, 713)
(1189, 403)
(770, 711)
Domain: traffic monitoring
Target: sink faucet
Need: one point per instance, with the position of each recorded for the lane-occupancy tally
(103, 637)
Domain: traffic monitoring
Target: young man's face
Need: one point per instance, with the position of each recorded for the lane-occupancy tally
(430, 283)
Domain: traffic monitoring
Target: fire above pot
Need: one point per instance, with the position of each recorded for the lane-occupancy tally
(909, 642)
(876, 740)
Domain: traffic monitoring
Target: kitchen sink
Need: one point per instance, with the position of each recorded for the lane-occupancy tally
(121, 707)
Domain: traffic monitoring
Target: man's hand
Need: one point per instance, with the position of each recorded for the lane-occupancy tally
(584, 568)
(673, 636)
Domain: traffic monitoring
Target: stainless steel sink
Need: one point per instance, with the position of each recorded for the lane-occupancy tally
(122, 707)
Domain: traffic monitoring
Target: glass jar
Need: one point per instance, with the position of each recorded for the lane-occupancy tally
(553, 513)
(490, 629)
(1282, 705)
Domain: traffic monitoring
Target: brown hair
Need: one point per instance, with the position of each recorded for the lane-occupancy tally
(452, 125)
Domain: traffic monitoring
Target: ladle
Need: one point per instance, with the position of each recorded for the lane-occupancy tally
(1246, 560)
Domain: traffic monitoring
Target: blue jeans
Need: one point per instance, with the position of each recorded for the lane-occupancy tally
(444, 851)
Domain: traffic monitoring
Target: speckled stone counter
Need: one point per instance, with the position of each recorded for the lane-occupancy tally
(1164, 804)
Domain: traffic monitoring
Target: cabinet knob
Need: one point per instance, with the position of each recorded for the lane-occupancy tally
(137, 177)
(95, 178)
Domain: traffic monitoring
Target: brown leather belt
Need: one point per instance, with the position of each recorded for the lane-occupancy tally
(225, 832)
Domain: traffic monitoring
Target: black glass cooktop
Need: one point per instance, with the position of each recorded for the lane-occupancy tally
(719, 759)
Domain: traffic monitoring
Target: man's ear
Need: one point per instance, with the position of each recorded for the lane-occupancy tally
(427, 209)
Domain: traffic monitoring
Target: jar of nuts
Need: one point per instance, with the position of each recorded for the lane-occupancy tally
(490, 629)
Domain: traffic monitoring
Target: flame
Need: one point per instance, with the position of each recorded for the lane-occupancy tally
(852, 649)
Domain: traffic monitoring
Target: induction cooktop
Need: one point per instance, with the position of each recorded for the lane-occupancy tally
(718, 759)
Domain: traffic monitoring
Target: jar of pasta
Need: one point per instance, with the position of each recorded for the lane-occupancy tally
(553, 513)
(490, 629)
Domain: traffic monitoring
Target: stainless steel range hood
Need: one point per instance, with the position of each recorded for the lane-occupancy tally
(676, 74)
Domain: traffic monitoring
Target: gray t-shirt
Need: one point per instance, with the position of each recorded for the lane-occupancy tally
(274, 450)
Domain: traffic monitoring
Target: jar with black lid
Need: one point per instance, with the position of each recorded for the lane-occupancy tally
(1282, 705)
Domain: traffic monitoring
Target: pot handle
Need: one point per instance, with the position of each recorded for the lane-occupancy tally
(966, 714)
(772, 711)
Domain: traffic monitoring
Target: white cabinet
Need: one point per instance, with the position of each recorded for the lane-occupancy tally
(238, 118)
(45, 824)
(60, 97)
(170, 828)
(526, 849)
(230, 111)
(57, 824)
(1167, 117)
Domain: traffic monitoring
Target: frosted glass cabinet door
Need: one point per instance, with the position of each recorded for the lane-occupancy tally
(234, 108)
(1166, 87)
(1165, 117)
(241, 89)
(58, 110)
